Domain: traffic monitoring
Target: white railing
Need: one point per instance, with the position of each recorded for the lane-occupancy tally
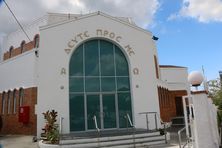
(97, 129)
(147, 119)
(96, 124)
(60, 128)
(188, 140)
(156, 115)
(128, 117)
(134, 129)
(179, 136)
(60, 124)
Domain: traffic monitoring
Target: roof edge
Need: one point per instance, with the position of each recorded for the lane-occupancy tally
(171, 66)
(94, 14)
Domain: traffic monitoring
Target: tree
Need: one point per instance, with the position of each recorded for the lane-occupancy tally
(215, 92)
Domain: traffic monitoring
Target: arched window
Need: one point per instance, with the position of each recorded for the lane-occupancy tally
(14, 101)
(3, 103)
(36, 41)
(22, 46)
(9, 102)
(21, 96)
(99, 86)
(10, 51)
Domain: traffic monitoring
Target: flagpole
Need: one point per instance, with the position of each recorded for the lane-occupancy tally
(205, 80)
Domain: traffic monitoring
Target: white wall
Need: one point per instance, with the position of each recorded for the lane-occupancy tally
(205, 125)
(19, 71)
(54, 40)
(176, 78)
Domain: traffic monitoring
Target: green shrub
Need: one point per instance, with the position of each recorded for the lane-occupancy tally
(51, 128)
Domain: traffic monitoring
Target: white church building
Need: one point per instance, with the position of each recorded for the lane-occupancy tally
(86, 66)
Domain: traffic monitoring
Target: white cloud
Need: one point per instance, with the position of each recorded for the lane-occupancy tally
(202, 10)
(173, 17)
(142, 11)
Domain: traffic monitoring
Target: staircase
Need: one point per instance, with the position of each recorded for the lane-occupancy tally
(113, 139)
(178, 121)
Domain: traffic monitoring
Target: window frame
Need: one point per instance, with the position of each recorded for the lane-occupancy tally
(9, 102)
(10, 51)
(14, 98)
(117, 75)
(21, 97)
(36, 41)
(119, 59)
(3, 103)
(22, 46)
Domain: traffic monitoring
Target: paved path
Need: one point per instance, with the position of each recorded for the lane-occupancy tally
(17, 141)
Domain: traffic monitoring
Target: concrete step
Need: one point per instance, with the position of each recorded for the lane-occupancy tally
(141, 145)
(144, 139)
(110, 138)
(120, 144)
(108, 133)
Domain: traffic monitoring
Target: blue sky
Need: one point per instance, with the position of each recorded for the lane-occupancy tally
(189, 31)
(188, 42)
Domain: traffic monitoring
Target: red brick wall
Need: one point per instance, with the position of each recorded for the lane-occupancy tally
(17, 51)
(167, 102)
(6, 55)
(10, 121)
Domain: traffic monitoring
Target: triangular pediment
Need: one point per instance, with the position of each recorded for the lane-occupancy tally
(78, 17)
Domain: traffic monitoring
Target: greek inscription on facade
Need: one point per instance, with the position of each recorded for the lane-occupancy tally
(136, 71)
(72, 42)
(80, 36)
(101, 33)
(86, 34)
(118, 38)
(129, 50)
(83, 35)
(63, 71)
(67, 50)
(107, 34)
(75, 40)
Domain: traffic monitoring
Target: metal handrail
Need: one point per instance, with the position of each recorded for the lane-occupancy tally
(60, 124)
(147, 122)
(60, 128)
(131, 124)
(96, 124)
(98, 130)
(185, 143)
(161, 121)
(179, 135)
(164, 126)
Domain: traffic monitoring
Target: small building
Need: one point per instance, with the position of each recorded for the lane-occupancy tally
(85, 67)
